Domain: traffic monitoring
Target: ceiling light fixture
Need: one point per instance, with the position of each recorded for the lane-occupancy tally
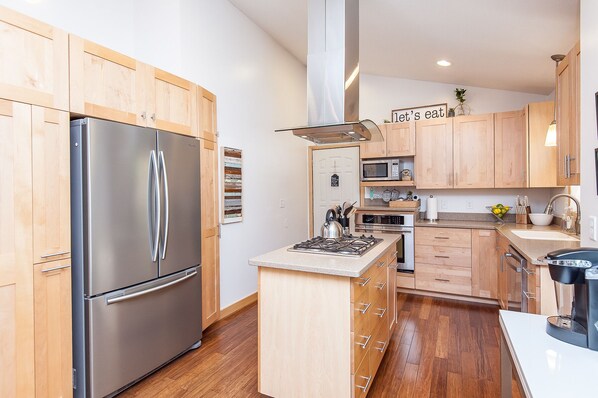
(551, 132)
(443, 62)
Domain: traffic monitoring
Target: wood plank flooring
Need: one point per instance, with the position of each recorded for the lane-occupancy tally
(440, 348)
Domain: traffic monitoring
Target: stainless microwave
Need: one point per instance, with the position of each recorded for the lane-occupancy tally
(381, 170)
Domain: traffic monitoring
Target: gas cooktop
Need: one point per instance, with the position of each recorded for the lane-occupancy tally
(348, 245)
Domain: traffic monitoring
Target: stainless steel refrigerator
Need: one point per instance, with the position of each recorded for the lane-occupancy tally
(136, 252)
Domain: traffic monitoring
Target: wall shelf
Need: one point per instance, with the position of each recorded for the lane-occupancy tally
(387, 184)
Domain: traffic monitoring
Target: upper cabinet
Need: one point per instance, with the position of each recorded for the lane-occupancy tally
(374, 149)
(510, 150)
(473, 140)
(35, 68)
(207, 115)
(434, 153)
(568, 118)
(399, 140)
(109, 85)
(542, 162)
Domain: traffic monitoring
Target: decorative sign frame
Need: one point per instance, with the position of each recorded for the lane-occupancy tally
(232, 185)
(427, 112)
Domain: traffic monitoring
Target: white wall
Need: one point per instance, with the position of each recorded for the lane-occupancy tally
(259, 87)
(589, 140)
(379, 95)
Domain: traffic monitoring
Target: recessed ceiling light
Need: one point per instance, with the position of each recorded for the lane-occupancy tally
(443, 62)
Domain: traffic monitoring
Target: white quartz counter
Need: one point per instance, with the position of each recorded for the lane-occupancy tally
(325, 263)
(548, 367)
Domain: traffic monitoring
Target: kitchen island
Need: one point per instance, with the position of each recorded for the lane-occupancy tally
(324, 321)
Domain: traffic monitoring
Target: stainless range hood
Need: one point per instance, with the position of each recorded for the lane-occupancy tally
(333, 76)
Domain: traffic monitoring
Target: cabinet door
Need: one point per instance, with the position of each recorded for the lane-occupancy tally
(210, 244)
(374, 149)
(484, 273)
(16, 254)
(503, 293)
(400, 139)
(53, 348)
(510, 150)
(392, 292)
(51, 184)
(473, 140)
(207, 115)
(542, 163)
(35, 68)
(568, 119)
(106, 84)
(434, 153)
(171, 103)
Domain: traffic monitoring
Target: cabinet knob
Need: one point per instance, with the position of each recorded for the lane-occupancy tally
(153, 117)
(143, 115)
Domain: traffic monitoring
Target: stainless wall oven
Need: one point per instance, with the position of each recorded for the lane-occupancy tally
(394, 223)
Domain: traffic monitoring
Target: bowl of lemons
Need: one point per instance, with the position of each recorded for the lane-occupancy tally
(498, 211)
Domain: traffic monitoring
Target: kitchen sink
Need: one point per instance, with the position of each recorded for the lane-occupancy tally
(543, 235)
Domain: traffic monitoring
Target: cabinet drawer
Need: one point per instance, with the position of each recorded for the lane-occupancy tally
(361, 283)
(453, 237)
(406, 281)
(443, 255)
(378, 316)
(378, 289)
(378, 348)
(360, 310)
(443, 278)
(362, 379)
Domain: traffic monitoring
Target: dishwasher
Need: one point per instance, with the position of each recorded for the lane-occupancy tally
(518, 294)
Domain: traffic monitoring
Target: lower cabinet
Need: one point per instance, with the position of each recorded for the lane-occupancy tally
(53, 336)
(484, 255)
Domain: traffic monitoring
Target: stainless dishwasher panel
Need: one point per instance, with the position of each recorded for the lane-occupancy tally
(131, 330)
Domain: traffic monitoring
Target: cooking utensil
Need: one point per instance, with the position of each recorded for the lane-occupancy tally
(347, 210)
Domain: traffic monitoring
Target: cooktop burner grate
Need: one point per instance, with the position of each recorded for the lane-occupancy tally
(348, 245)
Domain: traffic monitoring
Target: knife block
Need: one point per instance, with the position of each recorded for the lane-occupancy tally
(522, 215)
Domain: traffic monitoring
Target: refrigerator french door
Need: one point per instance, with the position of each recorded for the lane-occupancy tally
(136, 252)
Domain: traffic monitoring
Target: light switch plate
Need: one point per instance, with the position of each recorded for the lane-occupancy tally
(593, 228)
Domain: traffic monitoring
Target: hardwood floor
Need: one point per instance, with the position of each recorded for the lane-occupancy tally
(440, 348)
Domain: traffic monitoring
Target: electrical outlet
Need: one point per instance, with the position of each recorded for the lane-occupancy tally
(469, 204)
(443, 204)
(282, 204)
(593, 228)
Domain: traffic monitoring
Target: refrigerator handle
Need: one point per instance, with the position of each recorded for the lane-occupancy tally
(117, 299)
(166, 202)
(154, 197)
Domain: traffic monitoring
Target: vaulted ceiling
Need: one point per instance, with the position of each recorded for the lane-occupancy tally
(504, 44)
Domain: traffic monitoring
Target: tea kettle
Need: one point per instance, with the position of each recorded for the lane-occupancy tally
(331, 228)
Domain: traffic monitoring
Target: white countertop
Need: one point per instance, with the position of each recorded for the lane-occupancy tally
(325, 263)
(548, 367)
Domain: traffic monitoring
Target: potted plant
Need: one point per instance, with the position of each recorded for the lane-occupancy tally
(462, 108)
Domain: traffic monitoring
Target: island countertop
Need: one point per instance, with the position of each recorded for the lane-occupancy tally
(325, 263)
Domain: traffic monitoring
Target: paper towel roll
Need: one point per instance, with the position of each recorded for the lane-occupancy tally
(432, 208)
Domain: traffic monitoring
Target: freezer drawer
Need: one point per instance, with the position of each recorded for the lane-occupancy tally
(135, 330)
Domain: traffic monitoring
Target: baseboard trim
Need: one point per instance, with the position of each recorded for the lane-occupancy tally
(479, 300)
(238, 305)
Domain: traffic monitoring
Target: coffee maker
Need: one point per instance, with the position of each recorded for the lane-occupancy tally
(575, 275)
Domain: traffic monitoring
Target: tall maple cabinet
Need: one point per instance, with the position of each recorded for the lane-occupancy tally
(38, 97)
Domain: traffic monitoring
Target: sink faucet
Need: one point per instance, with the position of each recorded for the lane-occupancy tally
(564, 195)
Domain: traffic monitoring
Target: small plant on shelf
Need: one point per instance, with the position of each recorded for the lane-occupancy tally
(462, 108)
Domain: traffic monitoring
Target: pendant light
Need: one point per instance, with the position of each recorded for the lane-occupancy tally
(551, 132)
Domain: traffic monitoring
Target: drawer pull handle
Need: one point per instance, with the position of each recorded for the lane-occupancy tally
(529, 296)
(364, 281)
(367, 340)
(367, 384)
(366, 308)
(56, 268)
(527, 271)
(381, 264)
(380, 286)
(441, 237)
(442, 280)
(383, 346)
(395, 254)
(442, 256)
(54, 254)
(382, 313)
